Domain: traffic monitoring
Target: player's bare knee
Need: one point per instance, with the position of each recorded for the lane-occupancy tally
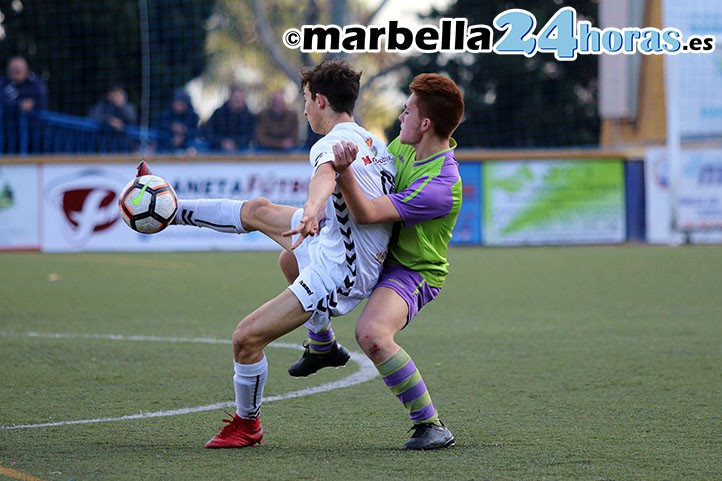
(253, 212)
(245, 344)
(369, 340)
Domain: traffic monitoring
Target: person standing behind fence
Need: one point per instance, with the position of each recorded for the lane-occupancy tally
(178, 124)
(114, 111)
(21, 92)
(232, 127)
(277, 126)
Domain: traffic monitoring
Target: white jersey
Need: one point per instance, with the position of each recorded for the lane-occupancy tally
(351, 254)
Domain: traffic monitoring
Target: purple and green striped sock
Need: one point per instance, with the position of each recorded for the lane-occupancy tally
(401, 376)
(321, 342)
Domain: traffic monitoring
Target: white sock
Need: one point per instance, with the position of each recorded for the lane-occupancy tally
(223, 215)
(248, 382)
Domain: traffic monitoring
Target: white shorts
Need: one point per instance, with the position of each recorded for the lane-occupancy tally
(321, 277)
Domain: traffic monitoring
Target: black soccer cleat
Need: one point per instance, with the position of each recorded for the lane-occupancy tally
(429, 436)
(310, 363)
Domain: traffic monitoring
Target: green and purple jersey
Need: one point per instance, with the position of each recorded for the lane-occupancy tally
(428, 198)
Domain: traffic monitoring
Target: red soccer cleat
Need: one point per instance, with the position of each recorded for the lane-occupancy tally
(143, 169)
(237, 433)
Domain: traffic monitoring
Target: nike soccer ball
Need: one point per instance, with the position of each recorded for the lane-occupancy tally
(148, 204)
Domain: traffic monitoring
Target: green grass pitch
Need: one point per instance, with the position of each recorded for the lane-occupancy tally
(556, 363)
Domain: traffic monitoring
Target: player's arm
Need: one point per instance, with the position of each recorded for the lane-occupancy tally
(322, 185)
(320, 188)
(364, 210)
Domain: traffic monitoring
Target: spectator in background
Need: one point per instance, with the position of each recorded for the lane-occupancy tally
(178, 124)
(277, 126)
(232, 126)
(114, 111)
(21, 92)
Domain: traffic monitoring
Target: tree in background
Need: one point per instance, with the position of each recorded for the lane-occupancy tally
(518, 102)
(80, 47)
(244, 43)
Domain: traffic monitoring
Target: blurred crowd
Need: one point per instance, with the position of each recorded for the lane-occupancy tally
(232, 127)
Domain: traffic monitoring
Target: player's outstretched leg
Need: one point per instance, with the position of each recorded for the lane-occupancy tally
(233, 216)
(222, 215)
(238, 217)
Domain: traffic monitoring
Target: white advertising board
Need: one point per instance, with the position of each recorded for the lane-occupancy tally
(700, 197)
(81, 211)
(19, 207)
(699, 194)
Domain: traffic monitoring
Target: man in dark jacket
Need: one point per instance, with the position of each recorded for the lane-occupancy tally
(114, 111)
(178, 124)
(21, 92)
(232, 126)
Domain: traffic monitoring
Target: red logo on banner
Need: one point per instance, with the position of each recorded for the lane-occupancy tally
(87, 203)
(87, 209)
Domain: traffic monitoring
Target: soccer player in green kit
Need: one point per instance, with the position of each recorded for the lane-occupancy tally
(424, 209)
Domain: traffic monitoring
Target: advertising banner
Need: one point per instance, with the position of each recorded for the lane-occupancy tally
(553, 202)
(699, 190)
(19, 207)
(468, 226)
(659, 203)
(81, 211)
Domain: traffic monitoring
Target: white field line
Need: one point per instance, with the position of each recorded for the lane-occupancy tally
(366, 372)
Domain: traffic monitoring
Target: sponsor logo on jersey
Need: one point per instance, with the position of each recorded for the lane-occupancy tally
(370, 145)
(375, 159)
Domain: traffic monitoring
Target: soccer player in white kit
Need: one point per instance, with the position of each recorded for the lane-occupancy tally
(339, 261)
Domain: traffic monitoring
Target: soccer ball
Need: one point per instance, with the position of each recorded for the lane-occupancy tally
(148, 204)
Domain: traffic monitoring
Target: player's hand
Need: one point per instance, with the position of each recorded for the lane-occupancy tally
(307, 226)
(344, 153)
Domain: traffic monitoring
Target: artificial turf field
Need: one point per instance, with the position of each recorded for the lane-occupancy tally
(556, 363)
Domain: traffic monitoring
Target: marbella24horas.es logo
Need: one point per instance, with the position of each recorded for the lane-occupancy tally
(565, 35)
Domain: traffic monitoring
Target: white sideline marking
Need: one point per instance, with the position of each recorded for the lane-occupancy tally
(366, 372)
